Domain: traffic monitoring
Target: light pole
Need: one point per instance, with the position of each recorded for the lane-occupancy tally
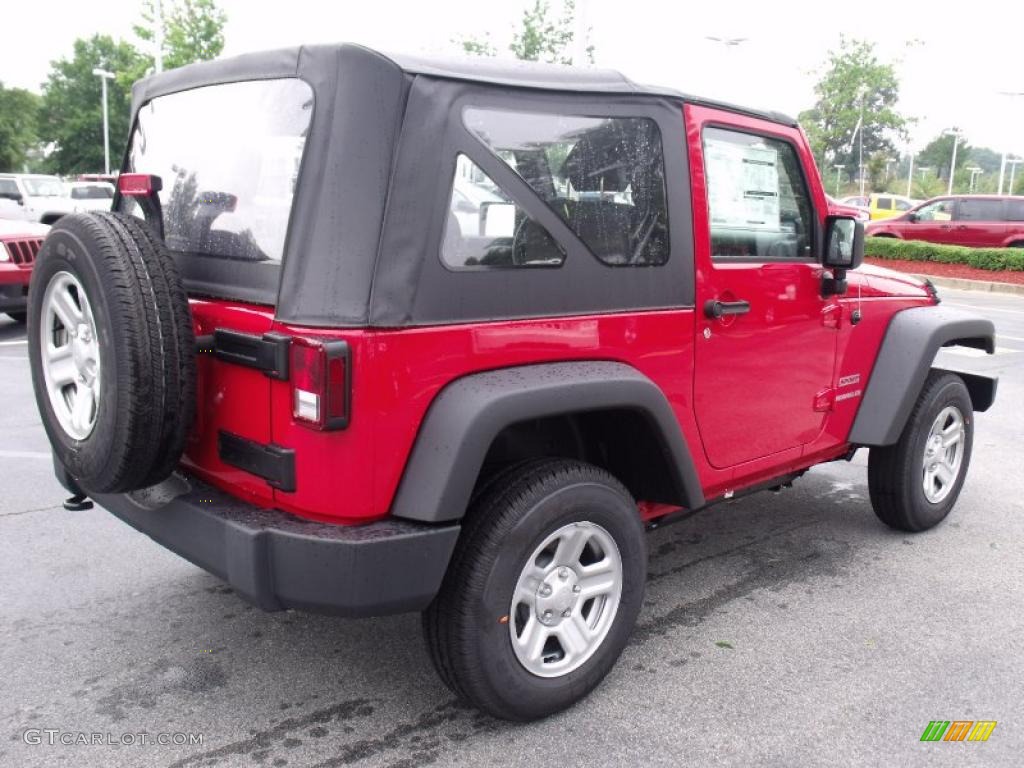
(158, 35)
(839, 171)
(975, 172)
(888, 161)
(1002, 165)
(956, 133)
(910, 170)
(104, 75)
(1013, 170)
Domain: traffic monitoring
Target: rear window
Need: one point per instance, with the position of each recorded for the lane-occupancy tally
(92, 192)
(228, 156)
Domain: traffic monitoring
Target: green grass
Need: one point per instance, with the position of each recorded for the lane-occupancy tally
(993, 259)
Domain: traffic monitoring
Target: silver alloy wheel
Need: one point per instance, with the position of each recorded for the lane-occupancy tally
(70, 355)
(943, 454)
(566, 599)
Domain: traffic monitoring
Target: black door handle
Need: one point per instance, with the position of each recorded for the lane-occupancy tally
(715, 309)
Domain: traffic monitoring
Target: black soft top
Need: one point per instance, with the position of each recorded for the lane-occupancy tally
(369, 209)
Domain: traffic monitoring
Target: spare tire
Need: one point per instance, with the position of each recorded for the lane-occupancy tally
(112, 352)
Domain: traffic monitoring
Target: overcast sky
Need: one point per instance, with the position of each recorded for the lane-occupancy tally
(967, 51)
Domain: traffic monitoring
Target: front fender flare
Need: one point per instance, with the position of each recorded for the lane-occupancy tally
(468, 414)
(908, 351)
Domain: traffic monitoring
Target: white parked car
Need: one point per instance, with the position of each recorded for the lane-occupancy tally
(33, 197)
(90, 195)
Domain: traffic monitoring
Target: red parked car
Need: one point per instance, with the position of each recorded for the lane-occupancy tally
(19, 244)
(978, 221)
(293, 355)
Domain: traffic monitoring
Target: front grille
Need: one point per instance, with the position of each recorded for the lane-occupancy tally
(24, 251)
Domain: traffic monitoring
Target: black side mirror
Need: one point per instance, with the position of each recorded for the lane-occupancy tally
(912, 216)
(844, 249)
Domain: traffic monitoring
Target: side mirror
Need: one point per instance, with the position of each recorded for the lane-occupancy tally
(844, 249)
(912, 216)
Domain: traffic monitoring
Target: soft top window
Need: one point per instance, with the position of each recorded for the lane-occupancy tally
(228, 156)
(604, 176)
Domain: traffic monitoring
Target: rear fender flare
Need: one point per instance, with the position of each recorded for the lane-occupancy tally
(467, 415)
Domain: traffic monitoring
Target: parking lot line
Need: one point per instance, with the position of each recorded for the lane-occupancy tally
(13, 343)
(25, 455)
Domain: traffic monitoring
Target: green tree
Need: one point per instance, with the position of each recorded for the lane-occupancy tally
(19, 112)
(542, 35)
(854, 83)
(939, 153)
(193, 30)
(71, 114)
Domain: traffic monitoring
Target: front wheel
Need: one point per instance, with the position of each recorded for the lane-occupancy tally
(542, 592)
(915, 483)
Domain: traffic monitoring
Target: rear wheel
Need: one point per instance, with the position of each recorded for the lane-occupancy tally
(915, 483)
(542, 592)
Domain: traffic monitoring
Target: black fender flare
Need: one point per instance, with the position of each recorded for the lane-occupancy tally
(907, 354)
(468, 414)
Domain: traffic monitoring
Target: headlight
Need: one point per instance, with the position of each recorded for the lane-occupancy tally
(4, 253)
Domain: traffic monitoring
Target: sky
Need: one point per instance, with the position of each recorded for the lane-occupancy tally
(963, 54)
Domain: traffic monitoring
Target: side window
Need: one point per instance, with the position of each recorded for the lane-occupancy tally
(980, 210)
(940, 210)
(884, 204)
(9, 189)
(758, 202)
(604, 176)
(1015, 210)
(485, 230)
(903, 205)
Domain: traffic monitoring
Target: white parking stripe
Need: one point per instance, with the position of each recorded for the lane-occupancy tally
(25, 455)
(13, 343)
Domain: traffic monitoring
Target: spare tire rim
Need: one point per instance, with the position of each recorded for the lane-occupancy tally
(70, 355)
(566, 599)
(943, 454)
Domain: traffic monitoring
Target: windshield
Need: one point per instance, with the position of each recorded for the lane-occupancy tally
(43, 186)
(228, 156)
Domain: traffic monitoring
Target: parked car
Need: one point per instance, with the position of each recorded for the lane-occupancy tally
(885, 206)
(90, 195)
(979, 221)
(33, 197)
(841, 209)
(366, 408)
(19, 245)
(856, 201)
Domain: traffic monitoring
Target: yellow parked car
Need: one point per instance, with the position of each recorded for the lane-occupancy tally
(885, 206)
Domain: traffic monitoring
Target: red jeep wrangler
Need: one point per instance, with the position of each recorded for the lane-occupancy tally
(371, 334)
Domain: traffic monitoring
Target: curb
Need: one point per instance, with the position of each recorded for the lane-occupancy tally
(985, 286)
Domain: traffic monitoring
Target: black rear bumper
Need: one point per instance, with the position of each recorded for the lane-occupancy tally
(279, 561)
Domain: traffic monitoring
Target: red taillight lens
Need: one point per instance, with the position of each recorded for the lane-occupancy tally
(321, 378)
(138, 184)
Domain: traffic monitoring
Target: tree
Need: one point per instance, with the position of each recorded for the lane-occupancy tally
(19, 112)
(855, 83)
(541, 36)
(939, 153)
(71, 114)
(193, 30)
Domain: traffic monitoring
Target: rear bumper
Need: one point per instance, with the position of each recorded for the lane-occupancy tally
(279, 561)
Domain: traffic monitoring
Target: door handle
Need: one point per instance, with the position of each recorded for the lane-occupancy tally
(715, 309)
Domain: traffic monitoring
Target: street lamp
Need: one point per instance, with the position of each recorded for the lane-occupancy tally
(839, 170)
(956, 133)
(975, 171)
(1013, 170)
(1002, 165)
(104, 75)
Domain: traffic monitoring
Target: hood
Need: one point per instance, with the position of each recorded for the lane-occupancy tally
(889, 282)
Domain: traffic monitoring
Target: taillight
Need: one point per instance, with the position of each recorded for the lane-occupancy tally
(321, 378)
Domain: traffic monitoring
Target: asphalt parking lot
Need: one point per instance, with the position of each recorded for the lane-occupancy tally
(779, 629)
